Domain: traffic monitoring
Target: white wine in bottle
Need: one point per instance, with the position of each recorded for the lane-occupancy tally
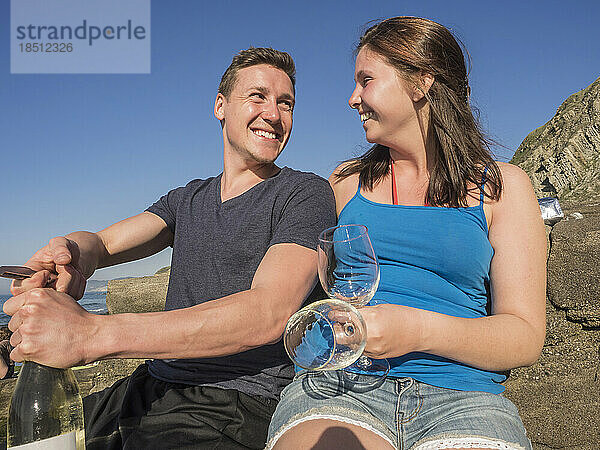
(46, 411)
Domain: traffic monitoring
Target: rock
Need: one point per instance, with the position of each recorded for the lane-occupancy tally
(166, 269)
(560, 411)
(562, 157)
(144, 294)
(548, 230)
(573, 272)
(4, 333)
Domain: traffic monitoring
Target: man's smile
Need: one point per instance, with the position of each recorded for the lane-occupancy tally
(267, 134)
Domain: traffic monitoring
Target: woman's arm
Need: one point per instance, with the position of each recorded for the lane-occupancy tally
(513, 335)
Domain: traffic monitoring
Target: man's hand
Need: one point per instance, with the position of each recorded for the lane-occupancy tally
(50, 328)
(57, 266)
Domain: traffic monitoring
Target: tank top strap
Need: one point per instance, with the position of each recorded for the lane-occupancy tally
(482, 187)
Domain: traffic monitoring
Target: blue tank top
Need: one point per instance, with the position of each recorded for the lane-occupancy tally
(436, 259)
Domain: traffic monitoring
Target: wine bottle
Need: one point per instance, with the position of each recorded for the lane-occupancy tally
(46, 411)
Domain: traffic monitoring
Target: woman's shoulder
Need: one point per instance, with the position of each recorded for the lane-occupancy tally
(511, 178)
(337, 179)
(344, 187)
(512, 172)
(517, 200)
(515, 181)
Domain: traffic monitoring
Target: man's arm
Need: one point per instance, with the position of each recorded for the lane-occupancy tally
(71, 259)
(51, 329)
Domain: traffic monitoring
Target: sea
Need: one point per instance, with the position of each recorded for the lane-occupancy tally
(94, 302)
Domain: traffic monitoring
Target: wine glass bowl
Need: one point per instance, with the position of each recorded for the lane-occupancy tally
(326, 335)
(347, 264)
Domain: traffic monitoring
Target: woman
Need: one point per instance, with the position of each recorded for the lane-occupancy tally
(461, 247)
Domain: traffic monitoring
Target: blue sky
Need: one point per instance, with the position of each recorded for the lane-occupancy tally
(83, 151)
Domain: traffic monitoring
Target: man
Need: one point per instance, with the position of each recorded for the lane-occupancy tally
(243, 261)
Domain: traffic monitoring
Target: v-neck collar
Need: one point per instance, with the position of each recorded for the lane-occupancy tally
(234, 200)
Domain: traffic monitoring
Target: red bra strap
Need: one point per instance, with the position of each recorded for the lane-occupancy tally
(394, 193)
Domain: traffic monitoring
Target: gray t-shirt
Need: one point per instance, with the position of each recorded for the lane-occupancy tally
(216, 250)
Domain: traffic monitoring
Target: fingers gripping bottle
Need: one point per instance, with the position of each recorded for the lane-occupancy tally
(46, 411)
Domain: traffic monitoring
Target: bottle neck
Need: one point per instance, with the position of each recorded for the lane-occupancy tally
(32, 372)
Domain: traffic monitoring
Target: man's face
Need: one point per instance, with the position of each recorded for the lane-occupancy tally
(257, 116)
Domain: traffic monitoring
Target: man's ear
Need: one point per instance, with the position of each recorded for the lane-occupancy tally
(220, 106)
(425, 81)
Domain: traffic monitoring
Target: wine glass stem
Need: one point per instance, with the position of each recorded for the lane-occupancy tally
(364, 362)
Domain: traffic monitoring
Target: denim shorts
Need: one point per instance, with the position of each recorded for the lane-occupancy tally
(405, 412)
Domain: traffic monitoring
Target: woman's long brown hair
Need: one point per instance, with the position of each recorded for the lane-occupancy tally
(414, 46)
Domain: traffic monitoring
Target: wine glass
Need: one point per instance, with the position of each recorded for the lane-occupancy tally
(348, 271)
(325, 335)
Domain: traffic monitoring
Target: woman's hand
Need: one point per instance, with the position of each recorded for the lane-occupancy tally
(392, 330)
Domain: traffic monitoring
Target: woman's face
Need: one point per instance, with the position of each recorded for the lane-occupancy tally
(383, 100)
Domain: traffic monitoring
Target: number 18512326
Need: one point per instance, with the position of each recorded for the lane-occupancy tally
(46, 47)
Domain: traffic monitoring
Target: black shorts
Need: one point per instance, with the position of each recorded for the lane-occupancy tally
(142, 412)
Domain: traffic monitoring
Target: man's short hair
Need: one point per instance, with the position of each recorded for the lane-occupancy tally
(252, 57)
